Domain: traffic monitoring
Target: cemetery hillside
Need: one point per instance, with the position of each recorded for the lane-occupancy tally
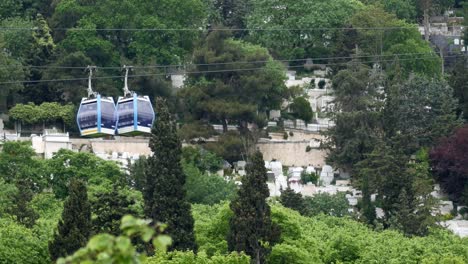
(233, 131)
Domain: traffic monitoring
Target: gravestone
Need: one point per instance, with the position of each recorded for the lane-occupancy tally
(326, 176)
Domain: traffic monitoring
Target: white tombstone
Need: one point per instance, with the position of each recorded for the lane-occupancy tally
(281, 182)
(295, 172)
(310, 169)
(326, 176)
(275, 114)
(277, 168)
(1, 126)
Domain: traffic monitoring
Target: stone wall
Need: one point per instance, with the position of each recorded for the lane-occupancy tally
(292, 153)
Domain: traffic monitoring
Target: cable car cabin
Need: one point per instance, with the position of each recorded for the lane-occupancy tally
(97, 117)
(135, 115)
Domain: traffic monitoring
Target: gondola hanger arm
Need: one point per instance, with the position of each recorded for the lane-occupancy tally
(91, 93)
(127, 92)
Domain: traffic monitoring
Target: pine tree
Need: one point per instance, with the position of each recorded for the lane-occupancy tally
(290, 199)
(21, 210)
(164, 193)
(251, 226)
(74, 228)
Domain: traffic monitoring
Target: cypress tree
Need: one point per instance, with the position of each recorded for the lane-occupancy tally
(74, 228)
(367, 208)
(290, 199)
(164, 193)
(21, 210)
(251, 225)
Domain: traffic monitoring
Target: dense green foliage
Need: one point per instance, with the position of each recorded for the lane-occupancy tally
(164, 193)
(46, 112)
(327, 239)
(302, 17)
(67, 164)
(393, 104)
(205, 188)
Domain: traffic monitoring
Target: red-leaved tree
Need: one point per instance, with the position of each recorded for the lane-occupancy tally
(450, 164)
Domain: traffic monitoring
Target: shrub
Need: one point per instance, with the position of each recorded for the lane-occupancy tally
(321, 84)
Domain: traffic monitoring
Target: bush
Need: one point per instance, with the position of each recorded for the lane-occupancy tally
(321, 84)
(308, 148)
(285, 136)
(302, 110)
(309, 177)
(334, 205)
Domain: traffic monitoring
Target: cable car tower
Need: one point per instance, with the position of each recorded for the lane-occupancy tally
(97, 115)
(135, 114)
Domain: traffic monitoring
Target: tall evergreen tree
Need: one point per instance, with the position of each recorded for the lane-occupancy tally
(164, 193)
(357, 115)
(21, 210)
(74, 228)
(251, 226)
(367, 207)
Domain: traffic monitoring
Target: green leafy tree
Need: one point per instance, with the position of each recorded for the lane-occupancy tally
(10, 74)
(204, 188)
(200, 258)
(18, 162)
(290, 199)
(19, 244)
(401, 41)
(290, 21)
(302, 110)
(164, 194)
(8, 191)
(74, 229)
(233, 93)
(67, 164)
(250, 228)
(109, 208)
